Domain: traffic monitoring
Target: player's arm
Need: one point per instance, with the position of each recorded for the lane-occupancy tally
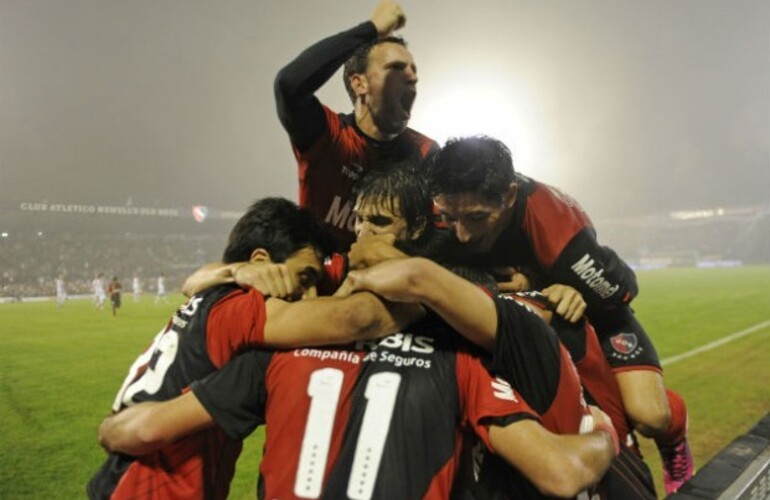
(562, 299)
(334, 320)
(147, 427)
(597, 272)
(462, 304)
(211, 274)
(558, 465)
(274, 280)
(299, 111)
(373, 249)
(233, 398)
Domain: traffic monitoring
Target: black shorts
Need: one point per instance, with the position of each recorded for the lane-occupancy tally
(115, 298)
(625, 343)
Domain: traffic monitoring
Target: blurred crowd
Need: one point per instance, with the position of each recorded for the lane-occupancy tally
(30, 266)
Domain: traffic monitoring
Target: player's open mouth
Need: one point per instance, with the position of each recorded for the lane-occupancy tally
(407, 100)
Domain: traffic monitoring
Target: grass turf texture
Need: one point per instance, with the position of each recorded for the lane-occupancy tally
(61, 367)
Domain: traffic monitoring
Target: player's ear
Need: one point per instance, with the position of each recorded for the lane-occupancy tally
(360, 84)
(260, 255)
(420, 229)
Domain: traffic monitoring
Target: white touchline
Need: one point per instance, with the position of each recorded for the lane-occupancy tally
(715, 344)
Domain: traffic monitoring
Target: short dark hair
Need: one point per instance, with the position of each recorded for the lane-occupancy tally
(280, 227)
(357, 63)
(404, 182)
(478, 164)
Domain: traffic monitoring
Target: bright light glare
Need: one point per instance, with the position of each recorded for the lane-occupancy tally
(494, 108)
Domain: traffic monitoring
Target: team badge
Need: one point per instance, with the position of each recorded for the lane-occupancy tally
(624, 343)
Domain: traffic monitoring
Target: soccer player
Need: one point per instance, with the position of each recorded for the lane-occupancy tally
(206, 332)
(527, 353)
(396, 203)
(136, 286)
(114, 289)
(61, 291)
(160, 294)
(334, 150)
(373, 420)
(511, 220)
(97, 286)
(405, 216)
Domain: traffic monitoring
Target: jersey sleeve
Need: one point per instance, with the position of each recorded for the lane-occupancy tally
(236, 395)
(597, 272)
(527, 353)
(564, 241)
(486, 400)
(299, 111)
(235, 323)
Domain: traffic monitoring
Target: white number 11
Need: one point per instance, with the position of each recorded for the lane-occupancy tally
(324, 390)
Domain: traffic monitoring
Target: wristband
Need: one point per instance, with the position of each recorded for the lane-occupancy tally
(609, 429)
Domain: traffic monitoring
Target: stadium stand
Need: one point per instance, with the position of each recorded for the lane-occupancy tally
(713, 237)
(37, 247)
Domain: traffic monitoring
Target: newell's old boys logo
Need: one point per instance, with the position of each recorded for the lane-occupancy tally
(624, 343)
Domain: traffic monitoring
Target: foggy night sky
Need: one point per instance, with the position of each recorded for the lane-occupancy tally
(632, 107)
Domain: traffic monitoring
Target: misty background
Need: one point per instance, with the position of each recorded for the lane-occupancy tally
(632, 107)
(637, 109)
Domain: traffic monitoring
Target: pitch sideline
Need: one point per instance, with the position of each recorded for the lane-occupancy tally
(715, 344)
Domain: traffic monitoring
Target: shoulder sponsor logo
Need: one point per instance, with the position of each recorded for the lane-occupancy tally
(503, 390)
(593, 277)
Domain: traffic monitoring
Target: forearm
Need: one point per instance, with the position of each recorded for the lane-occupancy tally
(149, 426)
(212, 274)
(296, 83)
(334, 320)
(315, 65)
(462, 304)
(588, 457)
(373, 317)
(558, 465)
(126, 432)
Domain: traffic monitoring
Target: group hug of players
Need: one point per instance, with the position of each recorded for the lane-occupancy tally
(430, 324)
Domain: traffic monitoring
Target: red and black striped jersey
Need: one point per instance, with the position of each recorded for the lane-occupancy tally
(527, 354)
(554, 239)
(332, 153)
(329, 168)
(596, 375)
(375, 420)
(548, 366)
(202, 336)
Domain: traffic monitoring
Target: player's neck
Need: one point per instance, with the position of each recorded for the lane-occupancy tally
(365, 124)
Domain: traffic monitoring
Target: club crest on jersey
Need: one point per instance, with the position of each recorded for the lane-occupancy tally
(625, 345)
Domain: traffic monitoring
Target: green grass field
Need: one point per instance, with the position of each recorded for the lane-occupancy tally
(60, 370)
